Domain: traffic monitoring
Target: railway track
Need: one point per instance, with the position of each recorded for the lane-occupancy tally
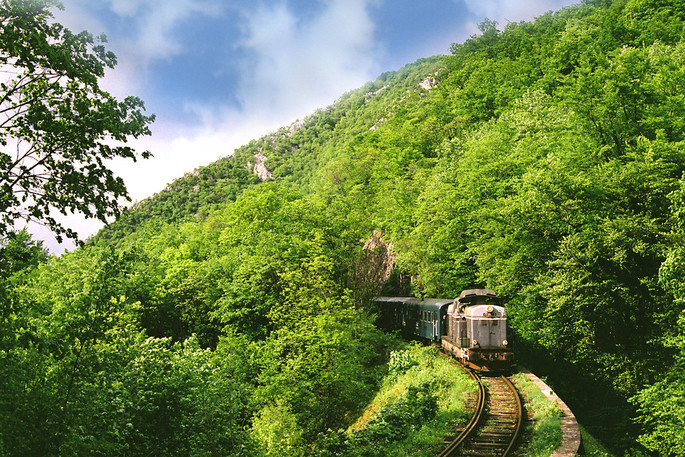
(496, 423)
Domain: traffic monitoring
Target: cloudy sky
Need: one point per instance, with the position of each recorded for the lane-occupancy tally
(218, 73)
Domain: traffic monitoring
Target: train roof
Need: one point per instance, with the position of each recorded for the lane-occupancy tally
(477, 292)
(429, 303)
(470, 297)
(478, 296)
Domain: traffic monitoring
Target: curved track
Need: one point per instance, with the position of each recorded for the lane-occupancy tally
(496, 423)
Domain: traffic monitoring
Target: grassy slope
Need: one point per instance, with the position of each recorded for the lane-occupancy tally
(414, 367)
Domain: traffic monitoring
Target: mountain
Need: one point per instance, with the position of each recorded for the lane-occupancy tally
(293, 154)
(230, 313)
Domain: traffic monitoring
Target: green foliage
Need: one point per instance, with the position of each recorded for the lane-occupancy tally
(411, 414)
(19, 258)
(662, 404)
(321, 368)
(276, 429)
(58, 124)
(229, 315)
(80, 376)
(19, 254)
(394, 421)
(169, 400)
(400, 362)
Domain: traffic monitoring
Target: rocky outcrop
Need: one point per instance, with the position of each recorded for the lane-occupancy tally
(260, 167)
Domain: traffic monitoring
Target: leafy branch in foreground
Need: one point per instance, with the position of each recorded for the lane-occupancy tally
(57, 127)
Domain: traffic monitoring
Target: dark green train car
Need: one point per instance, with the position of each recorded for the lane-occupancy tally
(416, 317)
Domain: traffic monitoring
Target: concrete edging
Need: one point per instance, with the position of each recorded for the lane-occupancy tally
(570, 433)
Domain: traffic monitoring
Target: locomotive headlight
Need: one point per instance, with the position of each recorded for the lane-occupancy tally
(505, 342)
(490, 309)
(474, 342)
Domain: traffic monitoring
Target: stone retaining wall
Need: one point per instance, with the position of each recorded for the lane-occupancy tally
(570, 433)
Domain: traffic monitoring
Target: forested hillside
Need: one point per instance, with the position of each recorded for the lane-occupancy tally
(229, 314)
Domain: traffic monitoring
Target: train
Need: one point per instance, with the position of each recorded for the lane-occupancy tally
(472, 328)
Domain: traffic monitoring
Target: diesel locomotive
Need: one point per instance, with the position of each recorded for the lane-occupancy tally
(472, 327)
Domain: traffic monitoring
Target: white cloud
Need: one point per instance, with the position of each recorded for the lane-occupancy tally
(505, 11)
(293, 67)
(296, 66)
(156, 21)
(126, 7)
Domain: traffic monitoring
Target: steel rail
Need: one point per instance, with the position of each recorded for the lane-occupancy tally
(519, 416)
(471, 428)
(472, 424)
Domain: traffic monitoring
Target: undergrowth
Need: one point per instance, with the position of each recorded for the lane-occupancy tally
(421, 401)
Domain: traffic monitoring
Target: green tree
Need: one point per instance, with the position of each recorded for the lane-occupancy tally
(19, 253)
(57, 125)
(662, 404)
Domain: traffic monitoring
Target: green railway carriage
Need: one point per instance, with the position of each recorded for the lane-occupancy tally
(472, 327)
(420, 317)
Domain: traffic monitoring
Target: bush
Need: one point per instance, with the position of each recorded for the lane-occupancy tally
(394, 421)
(400, 363)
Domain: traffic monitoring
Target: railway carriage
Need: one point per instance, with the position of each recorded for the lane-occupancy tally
(419, 317)
(473, 327)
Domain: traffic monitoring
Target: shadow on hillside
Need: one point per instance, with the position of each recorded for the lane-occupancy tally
(603, 411)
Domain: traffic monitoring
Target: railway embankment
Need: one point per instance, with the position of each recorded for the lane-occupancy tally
(570, 432)
(427, 399)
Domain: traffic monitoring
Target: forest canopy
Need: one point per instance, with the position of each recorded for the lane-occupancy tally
(231, 316)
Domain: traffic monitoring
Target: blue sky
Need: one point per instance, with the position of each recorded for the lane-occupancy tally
(218, 73)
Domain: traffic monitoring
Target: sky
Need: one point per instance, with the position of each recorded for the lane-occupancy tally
(219, 73)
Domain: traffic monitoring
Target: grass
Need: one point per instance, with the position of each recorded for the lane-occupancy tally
(423, 400)
(544, 429)
(414, 368)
